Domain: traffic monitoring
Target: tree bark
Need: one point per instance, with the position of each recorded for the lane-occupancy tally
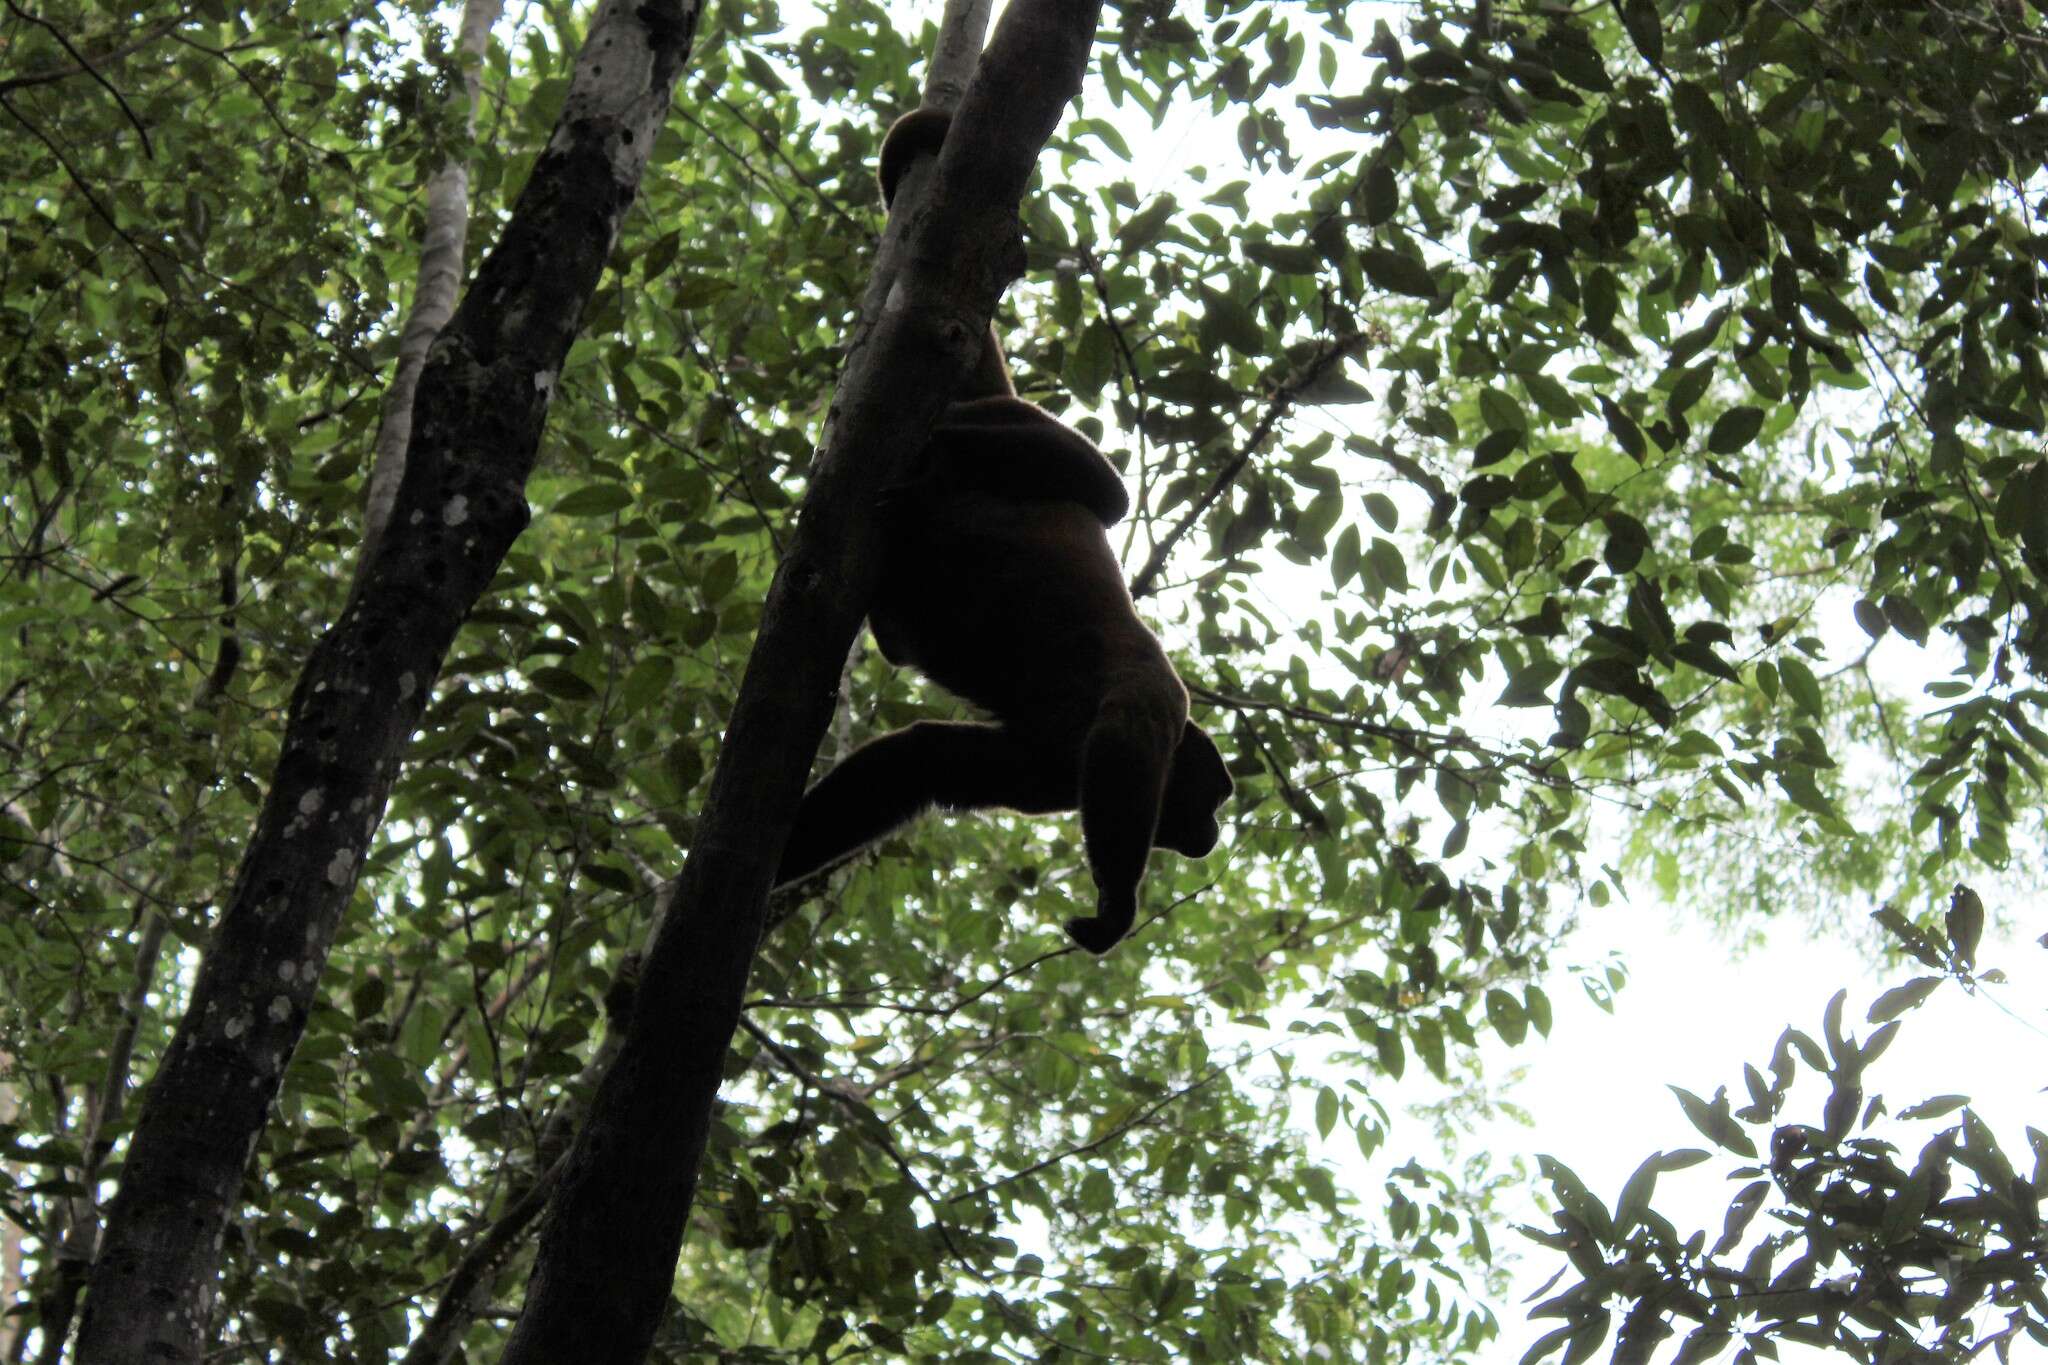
(608, 1246)
(477, 420)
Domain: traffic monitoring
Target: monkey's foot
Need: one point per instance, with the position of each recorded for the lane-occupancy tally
(1096, 933)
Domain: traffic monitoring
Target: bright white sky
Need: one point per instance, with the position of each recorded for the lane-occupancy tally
(1694, 1012)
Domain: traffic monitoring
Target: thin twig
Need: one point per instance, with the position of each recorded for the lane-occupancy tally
(849, 1099)
(78, 179)
(85, 65)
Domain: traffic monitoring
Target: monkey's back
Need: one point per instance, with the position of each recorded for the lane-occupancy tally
(1018, 606)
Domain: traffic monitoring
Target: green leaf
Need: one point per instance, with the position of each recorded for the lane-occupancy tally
(1714, 1121)
(1645, 29)
(1547, 1344)
(1496, 446)
(1387, 563)
(1330, 388)
(1428, 1037)
(1800, 684)
(1796, 780)
(1381, 195)
(1231, 322)
(1505, 1013)
(1345, 557)
(647, 682)
(1531, 686)
(594, 500)
(1142, 228)
(1573, 1196)
(1396, 272)
(561, 684)
(1626, 433)
(1735, 429)
(1965, 924)
(1900, 999)
(1104, 132)
(1741, 1210)
(1501, 412)
(1091, 361)
(1636, 1194)
(1905, 618)
(761, 73)
(1393, 1058)
(1627, 541)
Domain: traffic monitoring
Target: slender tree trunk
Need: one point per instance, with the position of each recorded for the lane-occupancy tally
(608, 1247)
(82, 1226)
(15, 1328)
(433, 299)
(477, 420)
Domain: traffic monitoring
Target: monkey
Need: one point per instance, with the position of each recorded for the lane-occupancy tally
(998, 583)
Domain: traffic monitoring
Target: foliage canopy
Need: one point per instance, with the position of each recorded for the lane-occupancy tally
(1553, 431)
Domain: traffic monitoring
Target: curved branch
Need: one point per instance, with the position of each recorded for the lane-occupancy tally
(433, 303)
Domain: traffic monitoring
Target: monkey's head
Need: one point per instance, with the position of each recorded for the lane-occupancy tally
(921, 132)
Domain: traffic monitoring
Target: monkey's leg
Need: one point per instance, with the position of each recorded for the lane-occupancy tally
(1123, 781)
(1196, 785)
(890, 781)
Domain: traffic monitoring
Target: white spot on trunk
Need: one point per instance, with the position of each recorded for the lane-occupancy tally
(287, 970)
(543, 381)
(339, 866)
(236, 1027)
(456, 512)
(311, 802)
(280, 1009)
(406, 683)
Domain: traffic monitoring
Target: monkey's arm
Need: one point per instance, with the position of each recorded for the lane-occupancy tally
(1125, 763)
(920, 133)
(1015, 449)
(1196, 784)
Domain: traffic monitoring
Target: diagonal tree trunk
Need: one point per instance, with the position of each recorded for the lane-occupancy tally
(477, 419)
(608, 1247)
